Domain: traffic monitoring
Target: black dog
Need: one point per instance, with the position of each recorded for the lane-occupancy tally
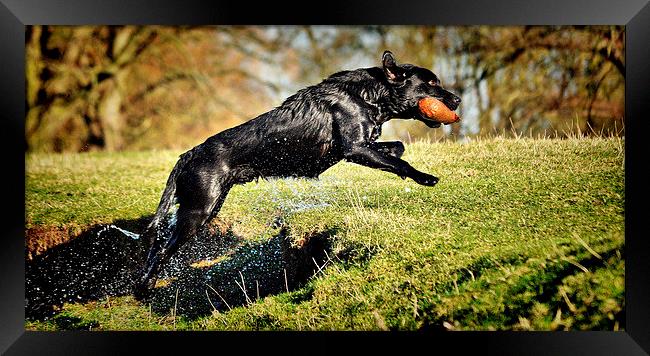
(340, 118)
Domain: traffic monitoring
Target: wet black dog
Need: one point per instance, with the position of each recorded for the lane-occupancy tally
(340, 118)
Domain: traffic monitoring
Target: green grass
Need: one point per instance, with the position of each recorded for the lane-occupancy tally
(519, 234)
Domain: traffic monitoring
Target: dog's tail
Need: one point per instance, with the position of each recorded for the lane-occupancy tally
(169, 193)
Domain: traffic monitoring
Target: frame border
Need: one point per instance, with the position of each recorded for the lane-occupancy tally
(635, 14)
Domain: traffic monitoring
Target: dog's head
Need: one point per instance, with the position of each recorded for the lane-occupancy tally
(410, 84)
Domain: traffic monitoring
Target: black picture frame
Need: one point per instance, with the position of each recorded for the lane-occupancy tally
(15, 14)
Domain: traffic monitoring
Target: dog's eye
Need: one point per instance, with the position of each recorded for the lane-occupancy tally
(433, 83)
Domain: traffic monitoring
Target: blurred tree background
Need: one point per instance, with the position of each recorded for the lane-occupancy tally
(152, 87)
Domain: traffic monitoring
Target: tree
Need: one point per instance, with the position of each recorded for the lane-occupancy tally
(102, 87)
(142, 87)
(552, 79)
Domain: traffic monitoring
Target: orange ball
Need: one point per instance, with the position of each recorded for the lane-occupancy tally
(434, 109)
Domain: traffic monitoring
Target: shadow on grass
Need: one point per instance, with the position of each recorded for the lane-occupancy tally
(211, 271)
(537, 287)
(249, 271)
(87, 267)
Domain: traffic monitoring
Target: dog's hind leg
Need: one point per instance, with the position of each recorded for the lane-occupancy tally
(197, 203)
(191, 217)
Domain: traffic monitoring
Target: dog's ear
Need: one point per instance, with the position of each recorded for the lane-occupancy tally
(393, 72)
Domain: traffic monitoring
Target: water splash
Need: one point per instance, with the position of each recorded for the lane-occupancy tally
(294, 195)
(172, 216)
(127, 233)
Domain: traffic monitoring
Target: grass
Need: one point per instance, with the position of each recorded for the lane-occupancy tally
(519, 234)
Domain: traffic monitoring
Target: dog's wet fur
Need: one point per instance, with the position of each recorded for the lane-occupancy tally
(339, 118)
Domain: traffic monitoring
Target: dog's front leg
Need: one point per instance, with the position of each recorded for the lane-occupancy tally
(391, 148)
(368, 157)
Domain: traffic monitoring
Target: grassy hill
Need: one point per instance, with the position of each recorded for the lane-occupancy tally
(519, 234)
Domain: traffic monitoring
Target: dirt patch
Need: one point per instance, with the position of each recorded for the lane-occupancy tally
(41, 238)
(216, 269)
(87, 267)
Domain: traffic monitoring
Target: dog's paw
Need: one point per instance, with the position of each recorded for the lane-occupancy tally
(143, 289)
(426, 179)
